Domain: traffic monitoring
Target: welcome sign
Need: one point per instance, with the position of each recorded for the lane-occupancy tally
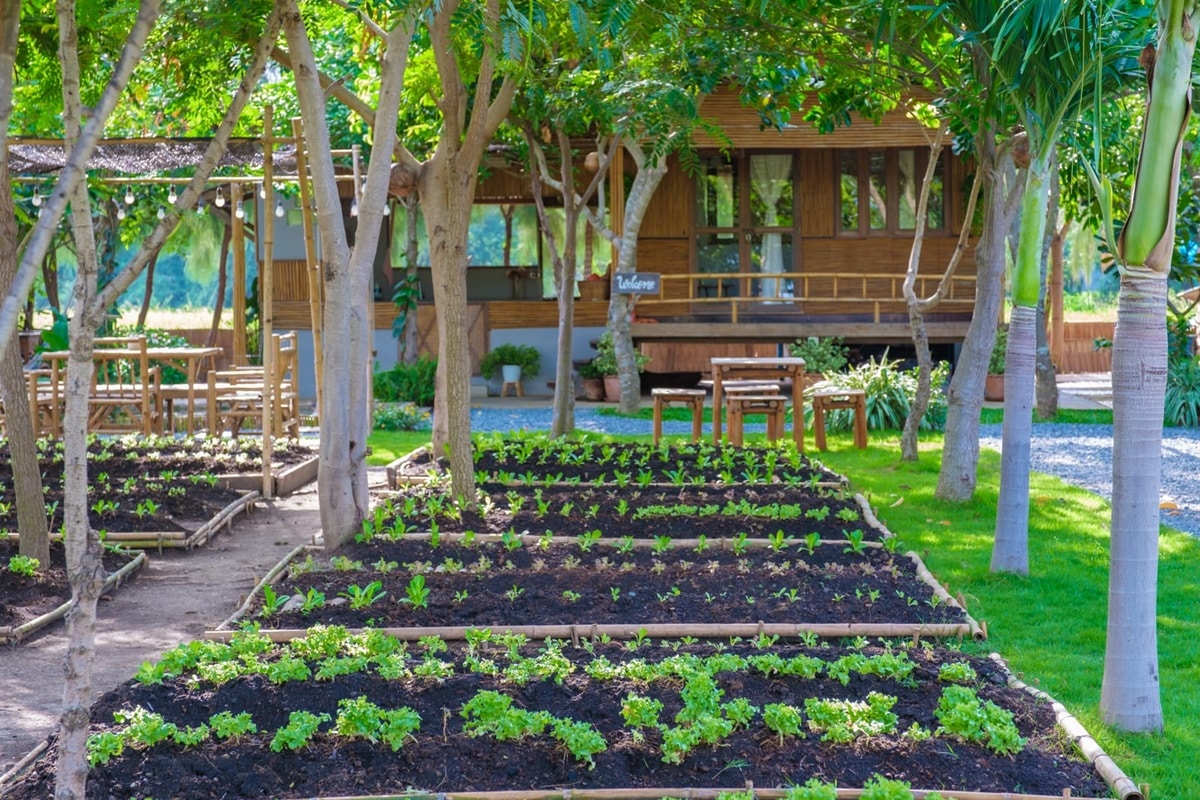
(636, 282)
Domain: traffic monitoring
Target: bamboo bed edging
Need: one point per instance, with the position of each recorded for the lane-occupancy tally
(21, 765)
(676, 792)
(283, 483)
(223, 517)
(977, 632)
(868, 513)
(269, 579)
(698, 630)
(1113, 775)
(13, 635)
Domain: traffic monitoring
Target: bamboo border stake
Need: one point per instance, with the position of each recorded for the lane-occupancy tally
(310, 254)
(239, 278)
(266, 303)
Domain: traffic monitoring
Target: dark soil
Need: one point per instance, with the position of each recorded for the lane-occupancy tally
(441, 757)
(23, 598)
(489, 584)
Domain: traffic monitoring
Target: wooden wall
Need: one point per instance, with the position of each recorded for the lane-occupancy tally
(815, 171)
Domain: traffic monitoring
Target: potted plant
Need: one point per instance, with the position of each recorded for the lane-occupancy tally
(606, 364)
(593, 381)
(993, 386)
(594, 287)
(512, 360)
(822, 356)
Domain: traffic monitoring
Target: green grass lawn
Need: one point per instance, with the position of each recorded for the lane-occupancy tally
(1050, 626)
(387, 446)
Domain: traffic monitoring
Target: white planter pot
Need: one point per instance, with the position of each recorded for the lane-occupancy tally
(511, 373)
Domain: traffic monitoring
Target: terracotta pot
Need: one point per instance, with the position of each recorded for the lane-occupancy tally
(811, 379)
(593, 389)
(993, 388)
(612, 388)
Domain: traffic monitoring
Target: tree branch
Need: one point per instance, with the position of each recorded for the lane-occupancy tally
(961, 247)
(453, 103)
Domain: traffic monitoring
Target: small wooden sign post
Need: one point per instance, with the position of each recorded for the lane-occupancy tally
(636, 282)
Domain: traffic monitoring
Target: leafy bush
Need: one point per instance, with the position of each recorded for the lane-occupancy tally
(407, 383)
(606, 362)
(400, 417)
(999, 349)
(159, 338)
(1182, 403)
(890, 392)
(820, 355)
(524, 356)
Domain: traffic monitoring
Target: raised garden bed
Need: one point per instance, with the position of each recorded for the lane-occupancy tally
(337, 714)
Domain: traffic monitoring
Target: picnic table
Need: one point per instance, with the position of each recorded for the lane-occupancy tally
(760, 369)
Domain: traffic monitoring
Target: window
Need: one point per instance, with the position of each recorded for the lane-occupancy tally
(499, 236)
(878, 191)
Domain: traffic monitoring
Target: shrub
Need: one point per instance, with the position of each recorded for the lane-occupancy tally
(407, 383)
(890, 392)
(820, 355)
(399, 417)
(606, 362)
(524, 356)
(999, 349)
(1182, 402)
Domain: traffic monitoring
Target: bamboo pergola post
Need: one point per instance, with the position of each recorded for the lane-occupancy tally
(239, 277)
(266, 305)
(310, 254)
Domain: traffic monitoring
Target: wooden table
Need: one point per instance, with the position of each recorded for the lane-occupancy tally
(188, 359)
(773, 369)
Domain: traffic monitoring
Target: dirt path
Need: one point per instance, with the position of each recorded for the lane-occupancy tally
(175, 597)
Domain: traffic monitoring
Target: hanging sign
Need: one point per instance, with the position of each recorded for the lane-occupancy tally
(636, 282)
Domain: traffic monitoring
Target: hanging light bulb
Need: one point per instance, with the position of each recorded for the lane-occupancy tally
(128, 195)
(387, 209)
(200, 207)
(120, 210)
(219, 202)
(239, 212)
(279, 208)
(262, 191)
(162, 212)
(354, 208)
(37, 197)
(171, 195)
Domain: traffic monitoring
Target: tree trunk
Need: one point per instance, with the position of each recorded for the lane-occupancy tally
(960, 453)
(222, 283)
(408, 337)
(620, 306)
(446, 198)
(141, 323)
(1045, 377)
(50, 278)
(1130, 694)
(1010, 550)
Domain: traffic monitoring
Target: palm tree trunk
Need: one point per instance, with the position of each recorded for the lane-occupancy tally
(1130, 694)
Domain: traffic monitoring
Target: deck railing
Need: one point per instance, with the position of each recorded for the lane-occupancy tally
(739, 293)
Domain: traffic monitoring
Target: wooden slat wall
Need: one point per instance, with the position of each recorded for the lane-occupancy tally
(816, 175)
(666, 256)
(291, 279)
(688, 357)
(1079, 352)
(427, 336)
(670, 211)
(742, 126)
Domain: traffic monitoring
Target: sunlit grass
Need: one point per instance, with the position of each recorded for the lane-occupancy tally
(387, 446)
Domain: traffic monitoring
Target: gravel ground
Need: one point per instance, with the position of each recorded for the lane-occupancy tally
(1079, 454)
(1082, 455)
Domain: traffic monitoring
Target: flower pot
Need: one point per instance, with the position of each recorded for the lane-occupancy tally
(811, 379)
(511, 373)
(593, 389)
(612, 388)
(993, 388)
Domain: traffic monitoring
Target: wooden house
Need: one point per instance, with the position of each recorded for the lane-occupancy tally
(791, 233)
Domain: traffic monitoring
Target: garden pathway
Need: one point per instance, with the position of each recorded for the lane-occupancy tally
(176, 597)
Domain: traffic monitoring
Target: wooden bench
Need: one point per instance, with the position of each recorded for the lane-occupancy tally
(236, 396)
(692, 398)
(774, 406)
(830, 399)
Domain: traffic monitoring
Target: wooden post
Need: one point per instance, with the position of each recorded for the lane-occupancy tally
(239, 277)
(310, 253)
(266, 302)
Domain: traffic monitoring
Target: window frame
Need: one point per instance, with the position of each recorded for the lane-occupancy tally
(892, 187)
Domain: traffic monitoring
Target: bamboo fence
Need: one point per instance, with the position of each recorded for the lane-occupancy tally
(11, 634)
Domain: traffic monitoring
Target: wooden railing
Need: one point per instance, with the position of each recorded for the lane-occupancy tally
(799, 292)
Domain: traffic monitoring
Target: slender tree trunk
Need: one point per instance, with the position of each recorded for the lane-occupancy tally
(222, 283)
(1130, 691)
(149, 293)
(408, 337)
(1010, 550)
(620, 306)
(1045, 376)
(50, 278)
(960, 453)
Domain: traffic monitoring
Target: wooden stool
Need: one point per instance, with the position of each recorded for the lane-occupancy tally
(773, 405)
(693, 398)
(828, 400)
(516, 386)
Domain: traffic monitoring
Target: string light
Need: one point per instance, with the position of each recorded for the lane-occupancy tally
(37, 197)
(239, 212)
(172, 196)
(279, 208)
(128, 195)
(262, 191)
(200, 207)
(120, 210)
(354, 208)
(219, 202)
(387, 209)
(162, 212)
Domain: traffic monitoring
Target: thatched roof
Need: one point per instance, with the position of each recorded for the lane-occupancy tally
(141, 157)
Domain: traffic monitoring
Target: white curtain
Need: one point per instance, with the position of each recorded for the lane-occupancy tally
(769, 175)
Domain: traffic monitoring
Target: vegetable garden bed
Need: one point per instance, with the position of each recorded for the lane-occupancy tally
(339, 714)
